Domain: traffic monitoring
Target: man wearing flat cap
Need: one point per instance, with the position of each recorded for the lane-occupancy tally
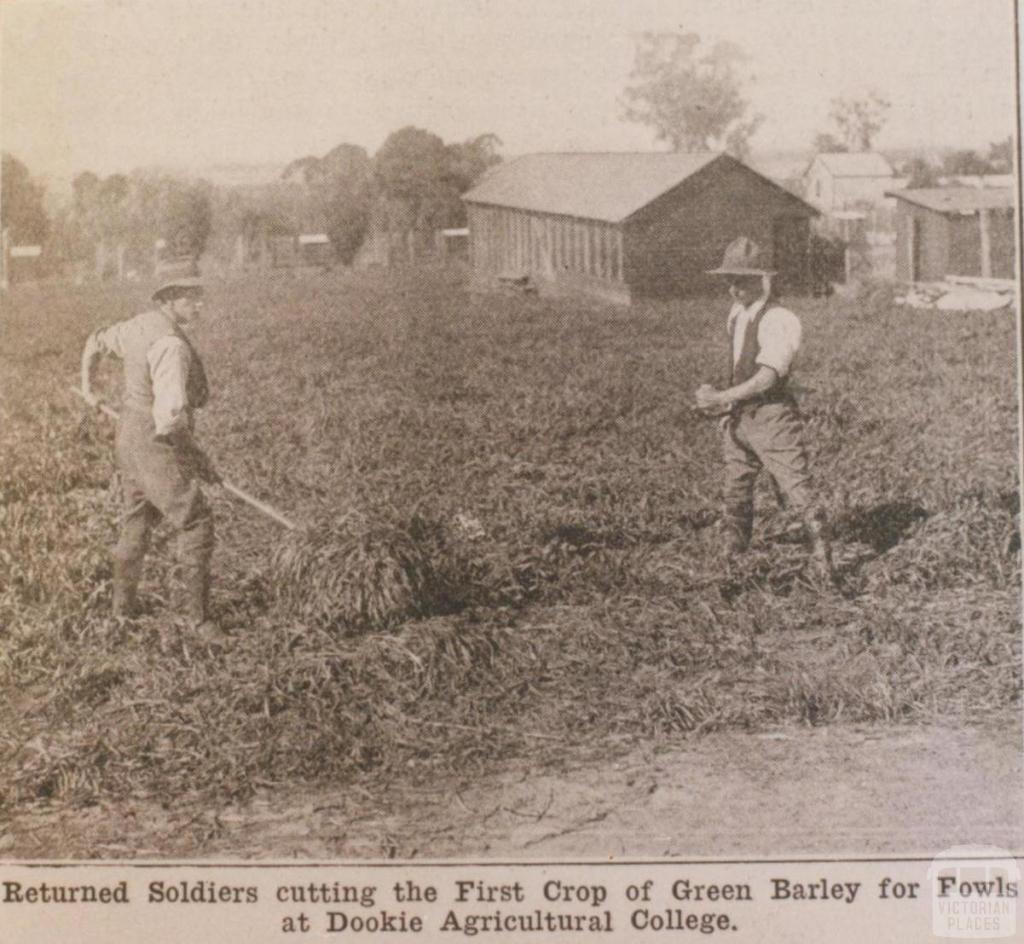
(761, 426)
(159, 461)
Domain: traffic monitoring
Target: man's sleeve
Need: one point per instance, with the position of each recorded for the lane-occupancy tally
(778, 338)
(168, 365)
(109, 340)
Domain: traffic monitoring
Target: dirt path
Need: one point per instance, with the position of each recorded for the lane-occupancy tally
(852, 790)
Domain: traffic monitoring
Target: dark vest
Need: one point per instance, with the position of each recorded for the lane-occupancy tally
(746, 365)
(139, 334)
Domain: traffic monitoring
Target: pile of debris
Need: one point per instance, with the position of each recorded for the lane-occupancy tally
(960, 293)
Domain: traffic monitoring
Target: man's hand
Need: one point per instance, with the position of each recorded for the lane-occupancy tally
(197, 462)
(94, 401)
(203, 466)
(709, 400)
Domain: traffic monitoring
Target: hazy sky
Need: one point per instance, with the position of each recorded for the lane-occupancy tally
(110, 85)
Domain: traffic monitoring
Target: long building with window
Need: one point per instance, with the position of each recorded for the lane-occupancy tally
(622, 226)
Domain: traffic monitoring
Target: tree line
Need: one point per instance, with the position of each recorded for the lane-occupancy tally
(411, 186)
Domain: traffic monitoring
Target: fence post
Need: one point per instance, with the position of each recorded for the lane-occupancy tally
(4, 240)
(986, 244)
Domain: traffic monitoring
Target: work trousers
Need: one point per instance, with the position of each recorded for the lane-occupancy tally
(765, 436)
(159, 483)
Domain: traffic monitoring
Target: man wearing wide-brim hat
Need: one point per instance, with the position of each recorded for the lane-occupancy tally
(158, 458)
(761, 426)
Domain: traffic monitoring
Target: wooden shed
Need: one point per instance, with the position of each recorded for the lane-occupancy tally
(622, 226)
(963, 231)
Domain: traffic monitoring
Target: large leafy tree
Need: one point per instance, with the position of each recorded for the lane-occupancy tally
(187, 216)
(859, 120)
(337, 195)
(418, 178)
(22, 212)
(410, 171)
(692, 97)
(347, 175)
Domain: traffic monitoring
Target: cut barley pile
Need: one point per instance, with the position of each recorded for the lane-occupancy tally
(338, 578)
(516, 546)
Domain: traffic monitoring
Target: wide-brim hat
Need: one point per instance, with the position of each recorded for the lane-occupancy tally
(743, 257)
(183, 274)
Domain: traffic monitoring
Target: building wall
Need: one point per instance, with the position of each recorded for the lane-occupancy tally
(818, 187)
(964, 246)
(1002, 232)
(951, 245)
(850, 192)
(924, 233)
(672, 243)
(559, 254)
(829, 193)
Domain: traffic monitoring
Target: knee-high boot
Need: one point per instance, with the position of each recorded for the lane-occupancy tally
(127, 573)
(129, 555)
(195, 550)
(816, 528)
(737, 526)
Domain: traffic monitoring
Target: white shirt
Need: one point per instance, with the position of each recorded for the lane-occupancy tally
(168, 367)
(778, 335)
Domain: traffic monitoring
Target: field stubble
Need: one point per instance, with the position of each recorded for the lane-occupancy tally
(512, 540)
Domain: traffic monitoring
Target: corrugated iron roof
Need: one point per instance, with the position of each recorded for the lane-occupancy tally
(957, 199)
(607, 187)
(863, 164)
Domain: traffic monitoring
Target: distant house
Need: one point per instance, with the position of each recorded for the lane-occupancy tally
(625, 225)
(965, 231)
(848, 181)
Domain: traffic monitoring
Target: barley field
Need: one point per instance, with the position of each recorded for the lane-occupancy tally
(511, 545)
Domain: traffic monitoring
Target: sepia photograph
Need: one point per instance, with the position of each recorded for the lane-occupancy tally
(466, 430)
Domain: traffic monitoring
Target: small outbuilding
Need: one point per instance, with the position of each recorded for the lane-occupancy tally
(304, 249)
(621, 226)
(23, 264)
(452, 243)
(959, 231)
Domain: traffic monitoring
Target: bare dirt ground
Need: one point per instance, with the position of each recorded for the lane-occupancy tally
(853, 790)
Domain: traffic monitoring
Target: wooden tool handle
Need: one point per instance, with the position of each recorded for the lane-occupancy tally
(239, 493)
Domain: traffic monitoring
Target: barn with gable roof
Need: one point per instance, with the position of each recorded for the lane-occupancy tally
(622, 226)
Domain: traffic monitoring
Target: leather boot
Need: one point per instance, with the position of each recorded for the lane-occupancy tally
(737, 526)
(126, 583)
(195, 550)
(196, 605)
(821, 549)
(195, 598)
